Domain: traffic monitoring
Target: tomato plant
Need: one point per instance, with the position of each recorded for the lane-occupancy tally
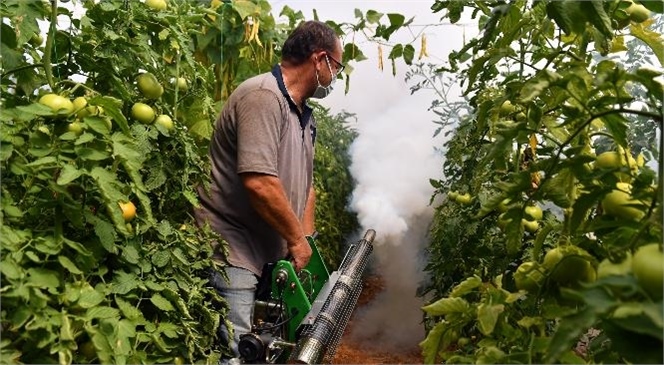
(105, 128)
(544, 88)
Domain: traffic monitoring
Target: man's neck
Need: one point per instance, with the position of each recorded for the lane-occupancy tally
(293, 80)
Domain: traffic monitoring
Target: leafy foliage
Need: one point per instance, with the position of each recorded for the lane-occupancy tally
(546, 94)
(83, 280)
(333, 184)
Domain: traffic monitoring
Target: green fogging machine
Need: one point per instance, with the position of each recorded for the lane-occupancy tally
(300, 317)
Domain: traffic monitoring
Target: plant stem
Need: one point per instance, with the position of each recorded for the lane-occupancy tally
(50, 39)
(24, 67)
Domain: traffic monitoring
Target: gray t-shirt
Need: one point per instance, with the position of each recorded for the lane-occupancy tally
(258, 130)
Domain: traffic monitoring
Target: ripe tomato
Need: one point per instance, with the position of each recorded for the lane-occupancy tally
(128, 211)
(648, 267)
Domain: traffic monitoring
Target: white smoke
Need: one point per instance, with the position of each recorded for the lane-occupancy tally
(393, 158)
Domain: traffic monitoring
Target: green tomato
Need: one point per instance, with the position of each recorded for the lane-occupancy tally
(502, 221)
(552, 257)
(36, 40)
(76, 127)
(528, 277)
(613, 160)
(619, 203)
(506, 108)
(569, 265)
(149, 86)
(57, 103)
(464, 199)
(80, 103)
(533, 213)
(530, 226)
(648, 268)
(608, 268)
(157, 4)
(463, 341)
(182, 84)
(164, 121)
(502, 207)
(143, 113)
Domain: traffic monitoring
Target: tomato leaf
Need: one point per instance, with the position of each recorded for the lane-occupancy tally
(112, 108)
(487, 316)
(68, 174)
(654, 5)
(568, 331)
(466, 286)
(97, 124)
(445, 306)
(102, 312)
(408, 54)
(89, 297)
(124, 282)
(617, 126)
(433, 342)
(245, 8)
(373, 16)
(161, 303)
(69, 265)
(597, 16)
(129, 311)
(652, 39)
(161, 258)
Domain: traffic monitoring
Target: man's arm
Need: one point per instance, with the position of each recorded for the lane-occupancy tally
(268, 197)
(308, 221)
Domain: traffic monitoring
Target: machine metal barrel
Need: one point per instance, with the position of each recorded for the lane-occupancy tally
(318, 342)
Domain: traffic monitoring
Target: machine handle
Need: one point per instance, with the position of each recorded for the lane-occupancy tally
(310, 238)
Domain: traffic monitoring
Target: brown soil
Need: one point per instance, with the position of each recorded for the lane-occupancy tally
(351, 352)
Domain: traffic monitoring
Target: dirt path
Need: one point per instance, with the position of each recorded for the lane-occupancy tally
(351, 352)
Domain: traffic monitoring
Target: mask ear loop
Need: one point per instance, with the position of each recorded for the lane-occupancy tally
(333, 76)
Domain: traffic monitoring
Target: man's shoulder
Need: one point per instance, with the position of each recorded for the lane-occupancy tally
(262, 81)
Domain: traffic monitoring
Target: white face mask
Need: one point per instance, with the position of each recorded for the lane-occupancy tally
(323, 91)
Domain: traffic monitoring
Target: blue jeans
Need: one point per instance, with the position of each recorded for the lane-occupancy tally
(239, 292)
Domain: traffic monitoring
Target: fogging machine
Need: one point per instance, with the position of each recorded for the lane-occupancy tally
(300, 317)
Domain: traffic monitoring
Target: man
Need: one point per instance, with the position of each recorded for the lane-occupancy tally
(261, 198)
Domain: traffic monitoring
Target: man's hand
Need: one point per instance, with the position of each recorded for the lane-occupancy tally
(300, 252)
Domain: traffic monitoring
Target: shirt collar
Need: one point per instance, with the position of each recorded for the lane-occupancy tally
(306, 111)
